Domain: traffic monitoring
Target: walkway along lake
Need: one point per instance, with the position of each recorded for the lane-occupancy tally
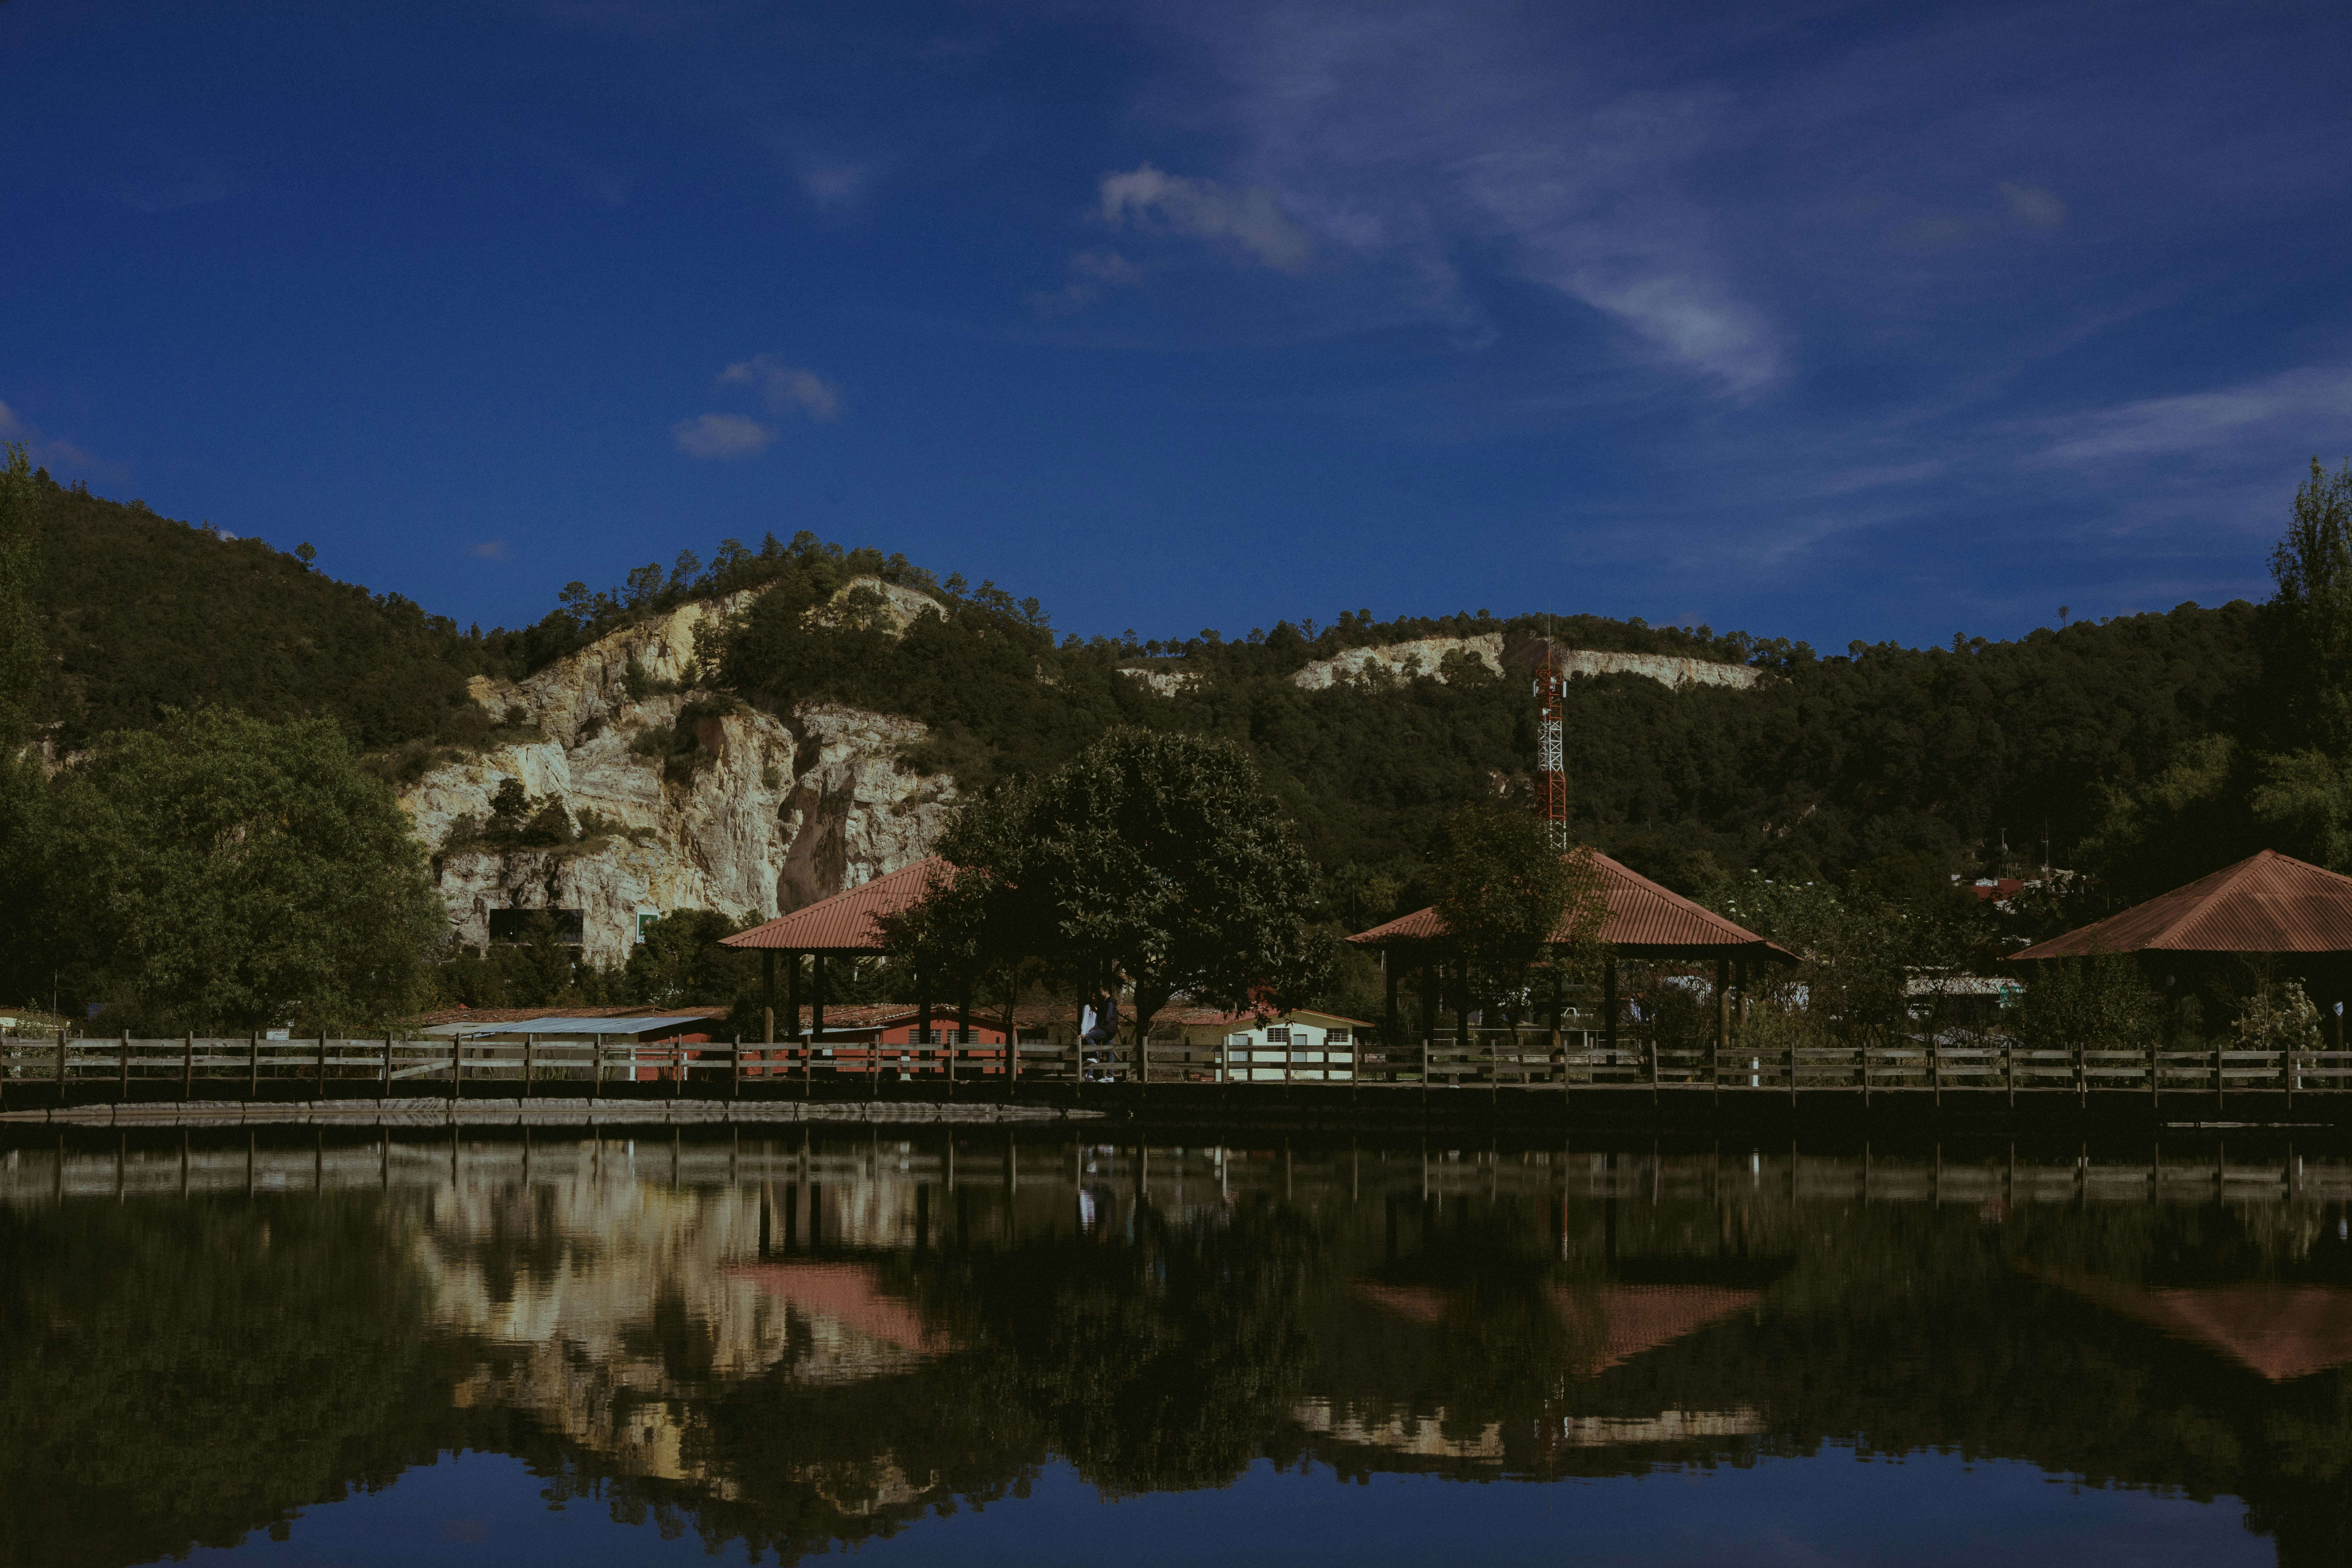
(1057, 1343)
(1525, 1076)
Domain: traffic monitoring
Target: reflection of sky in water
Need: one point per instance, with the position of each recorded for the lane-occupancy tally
(1928, 1509)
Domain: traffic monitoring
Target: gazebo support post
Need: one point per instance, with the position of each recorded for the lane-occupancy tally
(768, 997)
(1462, 1012)
(963, 1034)
(1722, 1025)
(817, 1000)
(1389, 1014)
(1608, 1008)
(1559, 1043)
(792, 998)
(922, 1017)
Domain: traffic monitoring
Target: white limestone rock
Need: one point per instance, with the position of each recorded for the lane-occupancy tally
(770, 821)
(1426, 656)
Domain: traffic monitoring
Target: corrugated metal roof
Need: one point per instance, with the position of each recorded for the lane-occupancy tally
(1643, 921)
(844, 922)
(2267, 903)
(576, 1023)
(513, 1014)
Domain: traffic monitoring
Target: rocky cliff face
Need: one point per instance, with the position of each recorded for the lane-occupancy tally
(1424, 656)
(772, 814)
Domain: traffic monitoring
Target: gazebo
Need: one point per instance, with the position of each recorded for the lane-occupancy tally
(2267, 906)
(843, 926)
(1642, 921)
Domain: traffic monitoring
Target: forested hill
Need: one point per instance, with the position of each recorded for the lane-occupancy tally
(141, 613)
(1890, 763)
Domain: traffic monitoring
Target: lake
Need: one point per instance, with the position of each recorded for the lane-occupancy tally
(1051, 1346)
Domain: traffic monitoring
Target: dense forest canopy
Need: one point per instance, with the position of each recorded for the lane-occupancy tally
(1884, 763)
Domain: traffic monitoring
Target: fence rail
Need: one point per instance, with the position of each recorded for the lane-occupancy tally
(1521, 1060)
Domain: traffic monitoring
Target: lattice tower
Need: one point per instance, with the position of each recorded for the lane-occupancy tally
(1552, 753)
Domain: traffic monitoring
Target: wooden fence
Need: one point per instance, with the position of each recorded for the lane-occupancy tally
(1523, 1060)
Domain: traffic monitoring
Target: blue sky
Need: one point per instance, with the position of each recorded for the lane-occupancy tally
(1821, 320)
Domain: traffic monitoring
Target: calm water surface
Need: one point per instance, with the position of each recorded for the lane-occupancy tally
(988, 1349)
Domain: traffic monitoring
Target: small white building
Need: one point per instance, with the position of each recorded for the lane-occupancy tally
(1293, 1048)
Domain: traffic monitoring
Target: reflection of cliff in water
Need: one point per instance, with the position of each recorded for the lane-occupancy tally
(792, 1345)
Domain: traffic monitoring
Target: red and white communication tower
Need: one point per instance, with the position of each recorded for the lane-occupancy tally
(1552, 753)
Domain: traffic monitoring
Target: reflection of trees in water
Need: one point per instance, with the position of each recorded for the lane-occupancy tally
(797, 1469)
(1164, 1364)
(177, 1376)
(180, 1374)
(1509, 1324)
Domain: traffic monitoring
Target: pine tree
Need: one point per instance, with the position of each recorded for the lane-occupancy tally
(20, 625)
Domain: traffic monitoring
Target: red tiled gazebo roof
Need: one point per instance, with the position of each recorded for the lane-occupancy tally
(1643, 921)
(2267, 903)
(844, 922)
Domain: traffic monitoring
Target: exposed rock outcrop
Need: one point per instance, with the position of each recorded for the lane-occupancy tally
(772, 815)
(1166, 682)
(1426, 656)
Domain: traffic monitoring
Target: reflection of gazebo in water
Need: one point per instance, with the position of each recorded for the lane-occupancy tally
(1617, 1321)
(1643, 921)
(2271, 909)
(2279, 1332)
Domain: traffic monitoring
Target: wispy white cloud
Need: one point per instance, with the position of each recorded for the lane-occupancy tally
(832, 183)
(1250, 222)
(1407, 142)
(2310, 404)
(48, 451)
(785, 388)
(721, 438)
(1091, 271)
(2034, 205)
(490, 550)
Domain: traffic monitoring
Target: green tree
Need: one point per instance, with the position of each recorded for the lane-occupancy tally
(1156, 856)
(225, 873)
(680, 963)
(20, 622)
(2100, 1000)
(976, 928)
(2307, 662)
(25, 933)
(1507, 896)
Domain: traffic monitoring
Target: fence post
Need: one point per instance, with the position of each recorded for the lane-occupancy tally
(1424, 1066)
(456, 1067)
(253, 1065)
(2155, 1088)
(529, 1061)
(61, 1081)
(1793, 1072)
(1935, 1072)
(123, 1090)
(735, 1071)
(596, 1065)
(188, 1067)
(2217, 1077)
(1653, 1044)
(385, 1091)
(2009, 1067)
(322, 1066)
